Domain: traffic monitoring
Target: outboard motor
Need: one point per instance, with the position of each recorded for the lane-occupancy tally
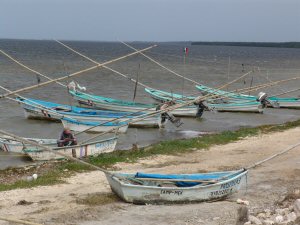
(200, 109)
(74, 86)
(201, 106)
(176, 121)
(168, 116)
(262, 98)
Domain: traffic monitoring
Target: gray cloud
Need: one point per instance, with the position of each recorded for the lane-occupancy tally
(155, 20)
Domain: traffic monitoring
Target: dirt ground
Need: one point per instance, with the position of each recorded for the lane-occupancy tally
(267, 184)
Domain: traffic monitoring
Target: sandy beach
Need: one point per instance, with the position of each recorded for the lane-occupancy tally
(267, 185)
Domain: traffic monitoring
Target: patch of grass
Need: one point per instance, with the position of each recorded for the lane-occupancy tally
(172, 147)
(279, 127)
(50, 178)
(98, 199)
(74, 166)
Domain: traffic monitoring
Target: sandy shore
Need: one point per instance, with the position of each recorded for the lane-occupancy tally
(267, 184)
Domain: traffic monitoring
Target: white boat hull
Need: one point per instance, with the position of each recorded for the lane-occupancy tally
(256, 108)
(155, 194)
(35, 113)
(89, 149)
(289, 105)
(99, 129)
(246, 108)
(36, 153)
(181, 112)
(10, 145)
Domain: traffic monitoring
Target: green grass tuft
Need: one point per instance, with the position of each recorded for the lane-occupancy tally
(50, 178)
(74, 166)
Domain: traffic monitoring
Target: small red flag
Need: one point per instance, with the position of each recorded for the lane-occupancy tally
(186, 51)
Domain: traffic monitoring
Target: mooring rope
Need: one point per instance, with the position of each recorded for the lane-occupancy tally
(18, 221)
(72, 74)
(273, 156)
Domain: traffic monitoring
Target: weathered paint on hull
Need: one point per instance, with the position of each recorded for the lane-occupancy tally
(36, 153)
(150, 194)
(90, 149)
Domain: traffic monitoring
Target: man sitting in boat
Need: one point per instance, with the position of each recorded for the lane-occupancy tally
(66, 138)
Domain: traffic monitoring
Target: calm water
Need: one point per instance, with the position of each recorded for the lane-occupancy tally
(206, 64)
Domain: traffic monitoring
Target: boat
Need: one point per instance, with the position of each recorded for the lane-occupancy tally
(8, 144)
(141, 188)
(38, 109)
(163, 96)
(293, 103)
(100, 102)
(77, 151)
(81, 126)
(250, 107)
(233, 106)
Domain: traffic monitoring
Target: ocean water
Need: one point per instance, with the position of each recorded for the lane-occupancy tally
(210, 65)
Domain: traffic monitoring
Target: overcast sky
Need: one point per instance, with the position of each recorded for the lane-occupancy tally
(151, 20)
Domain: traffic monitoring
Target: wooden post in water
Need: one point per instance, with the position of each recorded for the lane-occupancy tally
(228, 71)
(136, 82)
(251, 84)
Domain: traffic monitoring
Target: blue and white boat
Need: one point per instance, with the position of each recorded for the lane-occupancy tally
(233, 106)
(80, 126)
(144, 188)
(100, 102)
(38, 109)
(292, 103)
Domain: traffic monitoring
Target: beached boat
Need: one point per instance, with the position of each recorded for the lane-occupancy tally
(143, 188)
(10, 145)
(234, 106)
(99, 102)
(54, 111)
(77, 151)
(293, 103)
(80, 126)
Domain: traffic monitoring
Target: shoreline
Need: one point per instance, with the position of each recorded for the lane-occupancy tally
(52, 172)
(85, 198)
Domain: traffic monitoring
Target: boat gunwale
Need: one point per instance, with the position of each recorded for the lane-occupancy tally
(199, 186)
(59, 148)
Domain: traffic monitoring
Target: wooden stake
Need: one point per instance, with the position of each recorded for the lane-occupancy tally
(93, 61)
(175, 73)
(136, 83)
(97, 63)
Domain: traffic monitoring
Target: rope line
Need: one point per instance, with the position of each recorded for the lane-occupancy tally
(273, 156)
(19, 221)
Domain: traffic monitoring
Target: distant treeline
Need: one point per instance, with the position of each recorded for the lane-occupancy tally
(252, 44)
